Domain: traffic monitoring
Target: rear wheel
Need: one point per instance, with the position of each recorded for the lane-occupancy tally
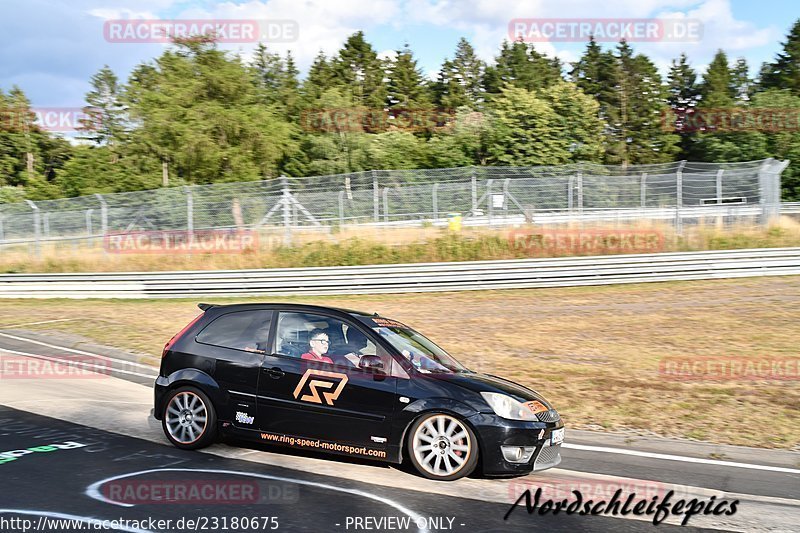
(442, 447)
(189, 419)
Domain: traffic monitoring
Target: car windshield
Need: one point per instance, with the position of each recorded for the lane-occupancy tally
(420, 351)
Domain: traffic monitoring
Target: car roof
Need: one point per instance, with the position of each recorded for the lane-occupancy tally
(293, 306)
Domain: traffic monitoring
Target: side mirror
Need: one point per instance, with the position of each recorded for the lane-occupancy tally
(371, 363)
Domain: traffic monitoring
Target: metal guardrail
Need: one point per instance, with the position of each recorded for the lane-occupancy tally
(420, 277)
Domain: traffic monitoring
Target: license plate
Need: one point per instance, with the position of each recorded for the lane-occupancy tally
(557, 436)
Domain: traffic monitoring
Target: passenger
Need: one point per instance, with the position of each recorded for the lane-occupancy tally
(259, 342)
(318, 347)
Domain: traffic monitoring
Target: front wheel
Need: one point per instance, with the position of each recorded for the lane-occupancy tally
(442, 447)
(189, 420)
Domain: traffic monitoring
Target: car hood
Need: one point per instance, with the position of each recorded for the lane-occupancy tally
(478, 382)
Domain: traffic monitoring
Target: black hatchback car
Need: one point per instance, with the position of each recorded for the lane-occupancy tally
(350, 383)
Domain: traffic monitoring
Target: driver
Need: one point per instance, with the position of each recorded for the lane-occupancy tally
(356, 342)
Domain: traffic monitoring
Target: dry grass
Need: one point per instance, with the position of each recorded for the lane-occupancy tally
(370, 245)
(593, 351)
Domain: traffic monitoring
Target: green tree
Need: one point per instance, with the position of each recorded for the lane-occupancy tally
(198, 112)
(269, 72)
(577, 122)
(646, 105)
(463, 142)
(358, 68)
(784, 72)
(599, 75)
(406, 84)
(395, 150)
(549, 127)
(320, 78)
(784, 141)
(717, 88)
(520, 65)
(682, 96)
(106, 118)
(100, 169)
(460, 80)
(335, 143)
(29, 156)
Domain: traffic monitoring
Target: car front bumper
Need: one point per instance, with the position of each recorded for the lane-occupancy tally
(495, 432)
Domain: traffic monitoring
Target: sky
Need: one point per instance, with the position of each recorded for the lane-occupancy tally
(51, 48)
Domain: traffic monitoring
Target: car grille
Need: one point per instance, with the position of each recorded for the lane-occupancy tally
(548, 416)
(549, 456)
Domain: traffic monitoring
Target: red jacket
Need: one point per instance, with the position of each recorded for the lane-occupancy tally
(313, 357)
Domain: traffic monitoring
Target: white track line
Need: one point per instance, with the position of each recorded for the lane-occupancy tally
(42, 322)
(93, 490)
(81, 352)
(105, 369)
(667, 457)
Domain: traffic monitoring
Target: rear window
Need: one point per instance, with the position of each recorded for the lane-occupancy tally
(242, 330)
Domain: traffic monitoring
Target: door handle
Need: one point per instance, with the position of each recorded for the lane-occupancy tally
(275, 372)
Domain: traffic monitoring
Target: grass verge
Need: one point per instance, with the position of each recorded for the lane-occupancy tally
(404, 245)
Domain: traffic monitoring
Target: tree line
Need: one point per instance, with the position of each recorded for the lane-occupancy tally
(198, 115)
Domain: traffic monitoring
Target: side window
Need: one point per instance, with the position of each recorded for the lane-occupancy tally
(307, 335)
(241, 330)
(321, 338)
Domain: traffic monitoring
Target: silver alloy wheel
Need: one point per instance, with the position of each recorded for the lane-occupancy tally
(442, 445)
(186, 417)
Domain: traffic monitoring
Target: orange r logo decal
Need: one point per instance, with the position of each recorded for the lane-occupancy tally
(316, 385)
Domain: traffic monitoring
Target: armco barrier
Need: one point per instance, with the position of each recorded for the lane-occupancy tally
(420, 277)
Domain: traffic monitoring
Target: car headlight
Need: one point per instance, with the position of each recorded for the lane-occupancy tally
(507, 407)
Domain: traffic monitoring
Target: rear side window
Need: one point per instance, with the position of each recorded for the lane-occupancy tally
(242, 330)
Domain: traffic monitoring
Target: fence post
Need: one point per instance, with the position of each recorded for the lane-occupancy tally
(474, 182)
(769, 184)
(286, 202)
(2, 234)
(89, 222)
(719, 185)
(490, 210)
(189, 210)
(386, 204)
(580, 192)
(506, 183)
(435, 200)
(37, 230)
(643, 191)
(103, 216)
(570, 187)
(341, 208)
(376, 198)
(679, 198)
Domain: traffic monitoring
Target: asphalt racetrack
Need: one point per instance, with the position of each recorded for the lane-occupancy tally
(85, 452)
